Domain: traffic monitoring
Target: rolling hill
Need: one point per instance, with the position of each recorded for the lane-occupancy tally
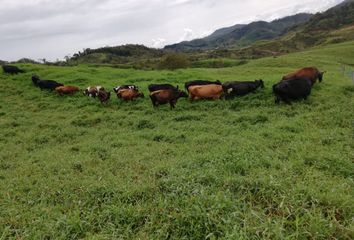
(332, 26)
(242, 35)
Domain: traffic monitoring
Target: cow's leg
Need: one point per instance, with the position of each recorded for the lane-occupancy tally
(287, 101)
(153, 101)
(277, 100)
(172, 104)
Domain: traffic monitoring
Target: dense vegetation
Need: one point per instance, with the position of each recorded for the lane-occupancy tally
(71, 168)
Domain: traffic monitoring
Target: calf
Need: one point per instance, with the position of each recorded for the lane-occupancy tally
(129, 94)
(170, 96)
(131, 87)
(103, 96)
(297, 88)
(232, 89)
(311, 73)
(66, 90)
(45, 84)
(92, 91)
(211, 91)
(12, 69)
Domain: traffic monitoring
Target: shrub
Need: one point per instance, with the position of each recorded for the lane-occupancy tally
(174, 61)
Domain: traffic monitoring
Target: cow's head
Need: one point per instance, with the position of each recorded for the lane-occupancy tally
(35, 79)
(261, 83)
(116, 89)
(320, 76)
(182, 94)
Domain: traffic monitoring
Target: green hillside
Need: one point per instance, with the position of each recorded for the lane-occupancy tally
(242, 35)
(71, 168)
(333, 26)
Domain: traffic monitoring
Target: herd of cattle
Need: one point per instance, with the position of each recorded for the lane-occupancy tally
(296, 85)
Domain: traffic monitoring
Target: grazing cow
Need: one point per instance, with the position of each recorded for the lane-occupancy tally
(92, 91)
(129, 94)
(103, 96)
(311, 73)
(132, 87)
(12, 69)
(66, 90)
(165, 96)
(293, 89)
(211, 91)
(45, 84)
(232, 89)
(157, 87)
(200, 83)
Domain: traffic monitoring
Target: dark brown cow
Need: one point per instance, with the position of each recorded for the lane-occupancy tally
(170, 96)
(212, 91)
(103, 96)
(311, 73)
(67, 90)
(129, 94)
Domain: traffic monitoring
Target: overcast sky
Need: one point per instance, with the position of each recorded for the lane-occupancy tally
(52, 29)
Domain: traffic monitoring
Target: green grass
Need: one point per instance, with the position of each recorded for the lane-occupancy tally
(71, 168)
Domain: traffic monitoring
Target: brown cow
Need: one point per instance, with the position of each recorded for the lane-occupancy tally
(170, 96)
(103, 96)
(66, 90)
(211, 91)
(311, 73)
(129, 94)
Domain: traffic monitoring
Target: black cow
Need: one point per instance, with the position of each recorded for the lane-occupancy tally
(157, 87)
(12, 69)
(200, 82)
(296, 88)
(233, 89)
(45, 84)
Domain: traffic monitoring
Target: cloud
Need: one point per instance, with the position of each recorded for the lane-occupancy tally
(52, 29)
(158, 42)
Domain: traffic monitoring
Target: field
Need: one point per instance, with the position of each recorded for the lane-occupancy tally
(71, 168)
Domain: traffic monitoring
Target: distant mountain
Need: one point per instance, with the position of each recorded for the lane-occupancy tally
(223, 31)
(242, 35)
(332, 26)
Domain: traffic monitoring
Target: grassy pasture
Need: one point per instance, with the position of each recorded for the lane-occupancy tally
(71, 168)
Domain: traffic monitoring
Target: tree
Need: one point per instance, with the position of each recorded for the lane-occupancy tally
(174, 61)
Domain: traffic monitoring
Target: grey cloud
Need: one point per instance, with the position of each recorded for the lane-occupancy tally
(53, 29)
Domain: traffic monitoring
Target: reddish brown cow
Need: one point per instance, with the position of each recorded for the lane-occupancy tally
(166, 96)
(103, 96)
(212, 91)
(70, 90)
(129, 94)
(311, 73)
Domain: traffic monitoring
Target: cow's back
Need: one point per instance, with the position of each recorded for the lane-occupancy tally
(206, 91)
